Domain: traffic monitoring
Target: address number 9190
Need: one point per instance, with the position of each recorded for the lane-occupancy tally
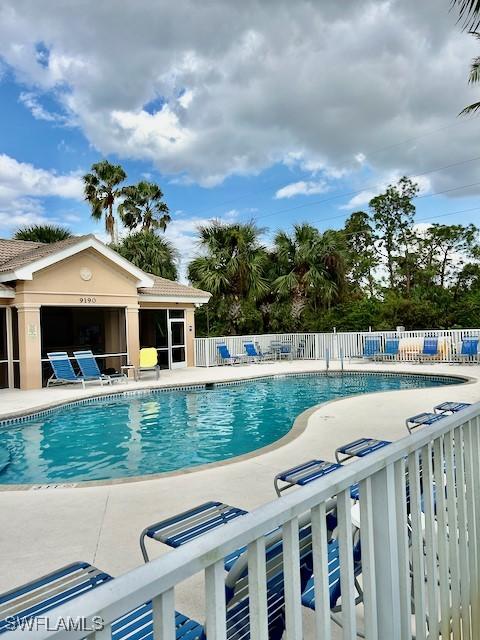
(88, 300)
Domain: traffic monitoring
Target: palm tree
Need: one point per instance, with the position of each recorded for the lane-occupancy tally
(311, 265)
(47, 233)
(233, 262)
(101, 190)
(149, 252)
(469, 11)
(473, 78)
(469, 15)
(143, 205)
(232, 268)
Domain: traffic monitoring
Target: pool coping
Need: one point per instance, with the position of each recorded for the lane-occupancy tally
(298, 427)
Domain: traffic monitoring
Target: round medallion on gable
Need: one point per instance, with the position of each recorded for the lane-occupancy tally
(85, 274)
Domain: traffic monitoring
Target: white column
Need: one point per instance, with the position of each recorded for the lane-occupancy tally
(10, 375)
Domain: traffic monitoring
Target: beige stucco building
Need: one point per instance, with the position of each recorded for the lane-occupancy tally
(79, 293)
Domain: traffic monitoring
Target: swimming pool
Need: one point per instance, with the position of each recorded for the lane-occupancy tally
(134, 435)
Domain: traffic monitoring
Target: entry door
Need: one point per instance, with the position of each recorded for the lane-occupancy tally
(177, 343)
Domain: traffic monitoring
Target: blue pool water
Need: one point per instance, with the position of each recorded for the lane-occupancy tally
(156, 432)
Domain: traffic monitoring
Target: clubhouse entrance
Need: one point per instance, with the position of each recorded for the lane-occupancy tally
(165, 330)
(79, 295)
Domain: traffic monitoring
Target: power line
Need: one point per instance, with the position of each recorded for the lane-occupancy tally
(428, 219)
(365, 187)
(426, 195)
(278, 183)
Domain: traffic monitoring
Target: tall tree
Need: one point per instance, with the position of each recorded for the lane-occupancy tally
(362, 254)
(393, 214)
(449, 246)
(144, 207)
(149, 252)
(101, 188)
(46, 233)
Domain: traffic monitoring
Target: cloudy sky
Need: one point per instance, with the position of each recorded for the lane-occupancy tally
(275, 110)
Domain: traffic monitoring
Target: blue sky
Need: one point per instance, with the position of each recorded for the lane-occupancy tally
(232, 123)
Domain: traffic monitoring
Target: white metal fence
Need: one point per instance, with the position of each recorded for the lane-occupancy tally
(419, 565)
(311, 346)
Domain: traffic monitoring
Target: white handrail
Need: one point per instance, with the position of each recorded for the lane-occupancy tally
(380, 475)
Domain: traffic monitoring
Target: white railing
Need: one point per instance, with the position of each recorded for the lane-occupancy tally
(318, 346)
(419, 522)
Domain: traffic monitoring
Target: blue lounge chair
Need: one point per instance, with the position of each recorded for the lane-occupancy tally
(429, 349)
(307, 472)
(440, 411)
(36, 598)
(424, 419)
(451, 407)
(90, 371)
(189, 525)
(391, 350)
(39, 597)
(469, 350)
(281, 350)
(237, 591)
(308, 595)
(265, 355)
(303, 474)
(63, 372)
(359, 448)
(226, 357)
(252, 354)
(371, 348)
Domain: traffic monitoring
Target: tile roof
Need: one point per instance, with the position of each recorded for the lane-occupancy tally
(11, 248)
(18, 253)
(164, 287)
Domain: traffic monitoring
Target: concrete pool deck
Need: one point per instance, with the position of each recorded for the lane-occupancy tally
(43, 529)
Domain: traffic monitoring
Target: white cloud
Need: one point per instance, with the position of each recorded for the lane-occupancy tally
(22, 186)
(363, 197)
(421, 228)
(38, 111)
(304, 188)
(20, 212)
(236, 97)
(23, 179)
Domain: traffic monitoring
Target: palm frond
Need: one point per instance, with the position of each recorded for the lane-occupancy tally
(474, 76)
(472, 108)
(469, 13)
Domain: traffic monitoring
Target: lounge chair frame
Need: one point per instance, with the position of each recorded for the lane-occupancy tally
(63, 374)
(429, 350)
(91, 371)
